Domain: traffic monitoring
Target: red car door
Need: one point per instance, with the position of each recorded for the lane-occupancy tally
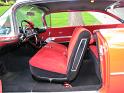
(0, 86)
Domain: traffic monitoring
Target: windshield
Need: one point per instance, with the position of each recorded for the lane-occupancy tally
(117, 9)
(29, 13)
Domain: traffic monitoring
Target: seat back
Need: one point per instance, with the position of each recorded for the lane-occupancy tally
(76, 50)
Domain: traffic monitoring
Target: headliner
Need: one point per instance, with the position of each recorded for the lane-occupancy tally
(64, 5)
(75, 5)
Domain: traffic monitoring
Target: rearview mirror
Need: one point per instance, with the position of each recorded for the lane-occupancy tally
(30, 14)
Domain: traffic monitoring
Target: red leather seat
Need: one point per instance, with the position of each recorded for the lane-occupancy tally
(51, 59)
(58, 47)
(93, 49)
(56, 62)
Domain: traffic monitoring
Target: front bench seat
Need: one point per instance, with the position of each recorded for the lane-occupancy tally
(54, 64)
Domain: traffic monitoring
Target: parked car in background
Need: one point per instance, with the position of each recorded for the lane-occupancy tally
(62, 45)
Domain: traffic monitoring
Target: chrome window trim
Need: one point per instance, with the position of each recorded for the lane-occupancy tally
(116, 73)
(50, 39)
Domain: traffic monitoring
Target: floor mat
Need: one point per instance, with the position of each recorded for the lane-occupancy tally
(18, 59)
(19, 79)
(23, 82)
(87, 75)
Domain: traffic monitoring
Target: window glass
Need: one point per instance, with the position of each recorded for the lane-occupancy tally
(63, 19)
(117, 9)
(57, 19)
(60, 19)
(5, 25)
(48, 20)
(3, 9)
(89, 19)
(30, 13)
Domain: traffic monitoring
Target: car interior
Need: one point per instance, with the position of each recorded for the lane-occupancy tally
(35, 63)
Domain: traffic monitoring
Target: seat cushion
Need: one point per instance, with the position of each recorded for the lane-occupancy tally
(50, 59)
(58, 47)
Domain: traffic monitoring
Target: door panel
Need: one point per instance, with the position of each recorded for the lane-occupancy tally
(58, 34)
(64, 34)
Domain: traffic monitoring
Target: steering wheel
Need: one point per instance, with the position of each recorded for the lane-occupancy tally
(29, 34)
(29, 24)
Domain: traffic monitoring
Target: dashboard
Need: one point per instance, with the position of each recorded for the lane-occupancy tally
(30, 32)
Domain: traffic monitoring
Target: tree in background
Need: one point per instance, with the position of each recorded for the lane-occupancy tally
(4, 1)
(75, 19)
(7, 2)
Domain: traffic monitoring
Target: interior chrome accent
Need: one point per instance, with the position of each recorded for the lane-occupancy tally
(77, 63)
(49, 39)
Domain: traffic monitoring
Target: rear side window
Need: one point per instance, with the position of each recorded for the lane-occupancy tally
(64, 19)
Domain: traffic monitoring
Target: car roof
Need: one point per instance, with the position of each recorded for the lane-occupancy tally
(63, 5)
(63, 0)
